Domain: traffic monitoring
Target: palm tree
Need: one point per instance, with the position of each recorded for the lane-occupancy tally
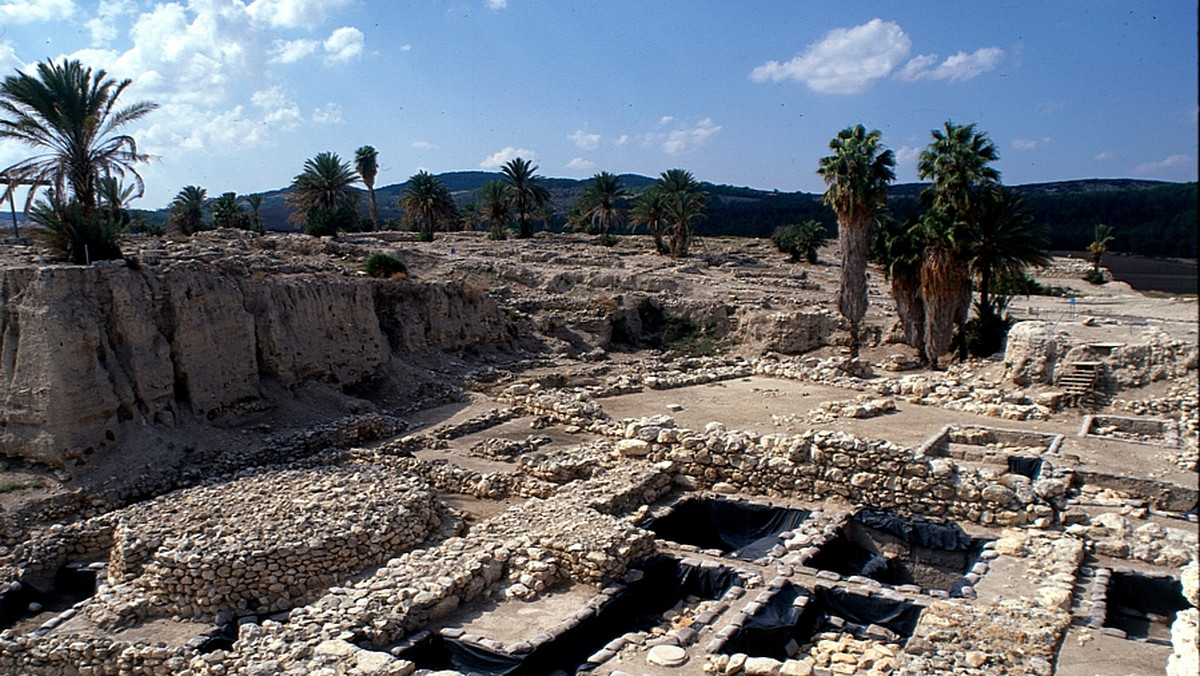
(651, 208)
(320, 195)
(858, 174)
(1101, 236)
(226, 211)
(427, 201)
(527, 192)
(899, 248)
(187, 209)
(255, 201)
(496, 198)
(958, 162)
(598, 203)
(70, 114)
(684, 203)
(1005, 242)
(546, 213)
(114, 199)
(366, 160)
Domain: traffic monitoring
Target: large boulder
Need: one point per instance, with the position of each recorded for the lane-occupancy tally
(1032, 351)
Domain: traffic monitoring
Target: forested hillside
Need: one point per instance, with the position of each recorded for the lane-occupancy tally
(1152, 218)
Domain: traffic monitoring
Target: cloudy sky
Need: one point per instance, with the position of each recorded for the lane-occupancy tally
(739, 93)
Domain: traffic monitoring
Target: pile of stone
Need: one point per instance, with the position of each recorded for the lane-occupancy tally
(862, 406)
(1185, 654)
(263, 543)
(506, 450)
(566, 464)
(1112, 534)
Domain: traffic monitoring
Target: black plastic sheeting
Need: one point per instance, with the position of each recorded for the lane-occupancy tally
(767, 632)
(948, 537)
(745, 531)
(639, 606)
(73, 582)
(1027, 467)
(1135, 601)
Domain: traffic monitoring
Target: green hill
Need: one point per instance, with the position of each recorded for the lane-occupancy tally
(1154, 218)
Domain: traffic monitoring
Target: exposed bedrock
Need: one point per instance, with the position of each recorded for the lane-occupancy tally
(86, 351)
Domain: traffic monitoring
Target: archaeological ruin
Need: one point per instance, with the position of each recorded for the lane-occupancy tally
(239, 454)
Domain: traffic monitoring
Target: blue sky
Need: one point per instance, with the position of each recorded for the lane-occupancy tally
(738, 93)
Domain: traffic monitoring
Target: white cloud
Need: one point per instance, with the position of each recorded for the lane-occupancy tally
(585, 141)
(291, 51)
(1030, 143)
(581, 164)
(103, 27)
(623, 139)
(1104, 155)
(280, 111)
(343, 45)
(406, 47)
(497, 4)
(907, 156)
(28, 11)
(685, 139)
(1168, 166)
(845, 61)
(956, 68)
(293, 13)
(423, 145)
(501, 157)
(330, 114)
(8, 59)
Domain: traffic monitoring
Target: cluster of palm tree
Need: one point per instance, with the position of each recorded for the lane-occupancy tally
(71, 117)
(228, 210)
(427, 204)
(972, 234)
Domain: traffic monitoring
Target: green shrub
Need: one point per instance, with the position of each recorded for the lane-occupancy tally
(498, 231)
(70, 235)
(328, 222)
(984, 334)
(801, 241)
(1094, 277)
(383, 265)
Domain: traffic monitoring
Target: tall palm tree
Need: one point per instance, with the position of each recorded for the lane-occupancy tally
(366, 160)
(527, 192)
(187, 209)
(899, 248)
(426, 202)
(1005, 242)
(945, 282)
(496, 198)
(1101, 237)
(255, 201)
(322, 191)
(599, 203)
(958, 162)
(651, 208)
(70, 114)
(858, 174)
(684, 203)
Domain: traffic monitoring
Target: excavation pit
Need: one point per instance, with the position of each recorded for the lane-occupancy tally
(796, 617)
(653, 588)
(1018, 451)
(736, 528)
(896, 551)
(1136, 430)
(21, 602)
(1143, 606)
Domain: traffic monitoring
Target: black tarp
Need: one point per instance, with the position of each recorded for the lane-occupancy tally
(1027, 467)
(767, 632)
(947, 537)
(638, 606)
(746, 531)
(1134, 601)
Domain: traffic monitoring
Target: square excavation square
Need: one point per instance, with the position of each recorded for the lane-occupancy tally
(896, 551)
